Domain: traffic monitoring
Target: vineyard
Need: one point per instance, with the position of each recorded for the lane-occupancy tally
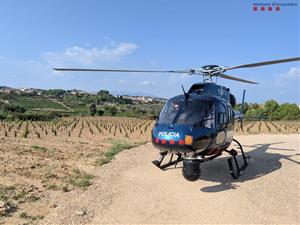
(268, 127)
(76, 127)
(40, 160)
(90, 128)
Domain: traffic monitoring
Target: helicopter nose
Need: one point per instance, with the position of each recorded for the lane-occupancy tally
(169, 140)
(172, 137)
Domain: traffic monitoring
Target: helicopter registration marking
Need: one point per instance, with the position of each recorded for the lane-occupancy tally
(170, 134)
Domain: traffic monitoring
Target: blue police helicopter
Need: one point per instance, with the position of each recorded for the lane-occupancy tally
(198, 125)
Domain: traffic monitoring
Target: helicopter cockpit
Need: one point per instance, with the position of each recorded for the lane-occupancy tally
(196, 112)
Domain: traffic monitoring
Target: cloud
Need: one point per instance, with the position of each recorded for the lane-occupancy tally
(122, 81)
(39, 73)
(147, 83)
(293, 72)
(81, 56)
(290, 76)
(27, 73)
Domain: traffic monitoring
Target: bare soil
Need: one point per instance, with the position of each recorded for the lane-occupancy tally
(40, 161)
(130, 190)
(53, 176)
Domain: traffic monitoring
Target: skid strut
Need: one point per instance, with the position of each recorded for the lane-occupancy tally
(171, 162)
(237, 170)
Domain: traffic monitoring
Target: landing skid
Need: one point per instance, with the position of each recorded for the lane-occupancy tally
(171, 162)
(236, 170)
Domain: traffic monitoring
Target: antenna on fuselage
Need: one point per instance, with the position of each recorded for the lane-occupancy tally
(185, 94)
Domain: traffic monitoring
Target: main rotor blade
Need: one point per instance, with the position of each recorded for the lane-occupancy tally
(236, 79)
(120, 70)
(263, 63)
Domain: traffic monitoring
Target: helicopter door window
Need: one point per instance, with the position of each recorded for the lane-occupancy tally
(221, 116)
(230, 114)
(209, 120)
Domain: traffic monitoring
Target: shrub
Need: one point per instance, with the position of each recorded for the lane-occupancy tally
(113, 110)
(93, 109)
(80, 179)
(116, 147)
(100, 112)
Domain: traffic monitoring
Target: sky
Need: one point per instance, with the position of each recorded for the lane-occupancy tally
(158, 34)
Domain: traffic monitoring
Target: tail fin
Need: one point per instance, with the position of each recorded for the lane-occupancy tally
(242, 110)
(243, 101)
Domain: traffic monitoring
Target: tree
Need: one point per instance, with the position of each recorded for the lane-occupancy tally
(287, 111)
(270, 108)
(20, 109)
(12, 108)
(93, 109)
(258, 113)
(100, 112)
(105, 96)
(58, 93)
(113, 111)
(255, 106)
(103, 92)
(246, 107)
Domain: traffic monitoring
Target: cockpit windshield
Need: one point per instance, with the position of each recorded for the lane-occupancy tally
(192, 112)
(170, 110)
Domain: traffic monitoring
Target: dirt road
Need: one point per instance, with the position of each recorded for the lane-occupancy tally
(130, 190)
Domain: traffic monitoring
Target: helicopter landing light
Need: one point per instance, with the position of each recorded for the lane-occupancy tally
(188, 139)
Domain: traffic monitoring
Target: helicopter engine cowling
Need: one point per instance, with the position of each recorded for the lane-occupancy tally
(191, 169)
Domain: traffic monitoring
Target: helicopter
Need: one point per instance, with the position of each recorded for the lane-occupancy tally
(198, 125)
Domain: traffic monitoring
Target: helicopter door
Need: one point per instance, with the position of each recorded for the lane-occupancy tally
(221, 124)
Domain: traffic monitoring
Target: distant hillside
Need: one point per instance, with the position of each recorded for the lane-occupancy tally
(131, 93)
(19, 102)
(39, 104)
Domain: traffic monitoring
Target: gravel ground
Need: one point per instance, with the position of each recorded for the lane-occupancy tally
(130, 190)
